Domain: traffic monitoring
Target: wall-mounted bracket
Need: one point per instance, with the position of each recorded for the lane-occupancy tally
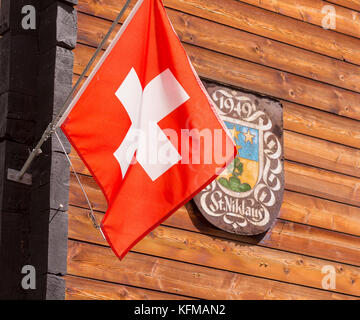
(13, 175)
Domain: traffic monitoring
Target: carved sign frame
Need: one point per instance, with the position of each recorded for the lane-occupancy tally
(253, 211)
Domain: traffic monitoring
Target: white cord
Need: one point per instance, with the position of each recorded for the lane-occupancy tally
(91, 214)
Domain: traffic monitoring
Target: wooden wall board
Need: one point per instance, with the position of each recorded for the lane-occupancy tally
(88, 289)
(310, 11)
(240, 257)
(321, 125)
(321, 183)
(352, 4)
(316, 123)
(286, 235)
(258, 78)
(254, 20)
(328, 155)
(251, 47)
(155, 273)
(297, 207)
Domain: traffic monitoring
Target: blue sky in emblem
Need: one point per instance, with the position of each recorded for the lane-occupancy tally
(246, 135)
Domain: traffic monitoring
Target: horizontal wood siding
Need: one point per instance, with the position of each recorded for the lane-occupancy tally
(278, 49)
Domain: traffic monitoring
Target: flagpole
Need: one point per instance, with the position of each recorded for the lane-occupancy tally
(53, 124)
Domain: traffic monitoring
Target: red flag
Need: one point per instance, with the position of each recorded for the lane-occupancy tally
(145, 127)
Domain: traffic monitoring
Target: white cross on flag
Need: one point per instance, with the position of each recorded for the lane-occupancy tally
(145, 127)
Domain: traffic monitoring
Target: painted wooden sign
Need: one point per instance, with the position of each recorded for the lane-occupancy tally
(246, 198)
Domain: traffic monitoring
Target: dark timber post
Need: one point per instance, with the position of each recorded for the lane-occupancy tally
(35, 78)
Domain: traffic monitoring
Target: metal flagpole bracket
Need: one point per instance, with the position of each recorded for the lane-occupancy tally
(14, 175)
(22, 177)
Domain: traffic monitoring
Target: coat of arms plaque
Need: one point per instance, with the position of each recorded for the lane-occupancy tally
(246, 197)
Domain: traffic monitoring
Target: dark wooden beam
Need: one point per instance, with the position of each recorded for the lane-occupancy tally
(35, 78)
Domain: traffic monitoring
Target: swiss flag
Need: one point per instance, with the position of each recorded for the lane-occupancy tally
(145, 127)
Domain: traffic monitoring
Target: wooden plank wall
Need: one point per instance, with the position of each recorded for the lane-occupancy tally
(278, 49)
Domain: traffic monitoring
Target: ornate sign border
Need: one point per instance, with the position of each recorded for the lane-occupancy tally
(251, 212)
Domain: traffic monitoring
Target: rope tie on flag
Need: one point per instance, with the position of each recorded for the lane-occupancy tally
(91, 214)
